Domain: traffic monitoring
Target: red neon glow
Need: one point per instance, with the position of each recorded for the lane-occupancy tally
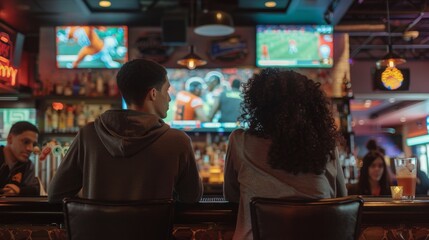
(9, 73)
(57, 106)
(4, 39)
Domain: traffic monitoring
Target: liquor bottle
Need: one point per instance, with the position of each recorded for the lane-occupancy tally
(76, 85)
(113, 88)
(99, 85)
(92, 91)
(83, 83)
(54, 121)
(59, 87)
(48, 120)
(68, 89)
(70, 120)
(81, 119)
(91, 115)
(62, 119)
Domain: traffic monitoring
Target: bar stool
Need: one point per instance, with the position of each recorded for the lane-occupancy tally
(336, 218)
(91, 219)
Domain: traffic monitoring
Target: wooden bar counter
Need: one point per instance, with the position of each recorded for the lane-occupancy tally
(382, 218)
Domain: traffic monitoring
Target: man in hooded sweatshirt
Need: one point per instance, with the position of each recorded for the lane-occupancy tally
(131, 154)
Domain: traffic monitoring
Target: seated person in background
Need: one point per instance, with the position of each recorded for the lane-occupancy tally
(372, 146)
(373, 176)
(131, 154)
(287, 150)
(422, 180)
(17, 176)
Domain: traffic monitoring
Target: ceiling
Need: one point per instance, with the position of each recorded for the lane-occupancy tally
(381, 113)
(150, 12)
(364, 20)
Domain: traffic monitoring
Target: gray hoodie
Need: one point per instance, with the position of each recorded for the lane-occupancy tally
(128, 155)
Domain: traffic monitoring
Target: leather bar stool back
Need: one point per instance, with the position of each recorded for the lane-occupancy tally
(90, 219)
(337, 218)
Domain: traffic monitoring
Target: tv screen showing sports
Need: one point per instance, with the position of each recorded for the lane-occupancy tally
(205, 99)
(91, 46)
(295, 46)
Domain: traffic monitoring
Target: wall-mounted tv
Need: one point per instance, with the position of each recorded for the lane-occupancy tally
(205, 100)
(91, 46)
(295, 46)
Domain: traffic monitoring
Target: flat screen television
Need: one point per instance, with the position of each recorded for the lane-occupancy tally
(195, 94)
(295, 46)
(91, 46)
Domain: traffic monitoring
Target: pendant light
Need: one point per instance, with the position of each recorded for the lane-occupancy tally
(391, 77)
(191, 60)
(214, 24)
(391, 59)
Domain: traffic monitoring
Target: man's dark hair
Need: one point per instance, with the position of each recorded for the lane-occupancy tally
(294, 113)
(22, 126)
(137, 77)
(236, 84)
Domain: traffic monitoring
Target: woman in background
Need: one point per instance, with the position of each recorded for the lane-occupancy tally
(373, 177)
(288, 149)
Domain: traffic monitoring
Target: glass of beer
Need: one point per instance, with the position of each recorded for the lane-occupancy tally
(406, 170)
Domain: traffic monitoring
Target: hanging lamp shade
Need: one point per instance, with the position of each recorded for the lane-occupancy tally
(214, 23)
(391, 59)
(191, 60)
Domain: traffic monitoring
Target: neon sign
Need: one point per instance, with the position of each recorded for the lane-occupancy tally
(7, 72)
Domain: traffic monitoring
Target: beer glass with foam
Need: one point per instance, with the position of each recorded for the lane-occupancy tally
(406, 169)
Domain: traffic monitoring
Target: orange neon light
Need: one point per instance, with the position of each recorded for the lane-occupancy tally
(9, 73)
(4, 39)
(5, 60)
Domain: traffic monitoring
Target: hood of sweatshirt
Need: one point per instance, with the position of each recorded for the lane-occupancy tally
(126, 132)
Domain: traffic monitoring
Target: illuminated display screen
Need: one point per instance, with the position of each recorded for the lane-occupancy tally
(294, 46)
(91, 46)
(9, 116)
(205, 99)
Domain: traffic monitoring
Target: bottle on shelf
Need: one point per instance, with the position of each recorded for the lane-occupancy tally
(99, 85)
(76, 85)
(55, 119)
(113, 87)
(48, 120)
(81, 118)
(59, 87)
(68, 89)
(70, 127)
(62, 119)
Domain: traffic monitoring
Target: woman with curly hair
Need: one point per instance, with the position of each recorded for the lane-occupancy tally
(288, 148)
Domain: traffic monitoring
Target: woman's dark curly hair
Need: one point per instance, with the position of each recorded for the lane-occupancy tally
(294, 113)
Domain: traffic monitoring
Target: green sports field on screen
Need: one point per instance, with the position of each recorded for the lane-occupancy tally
(294, 46)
